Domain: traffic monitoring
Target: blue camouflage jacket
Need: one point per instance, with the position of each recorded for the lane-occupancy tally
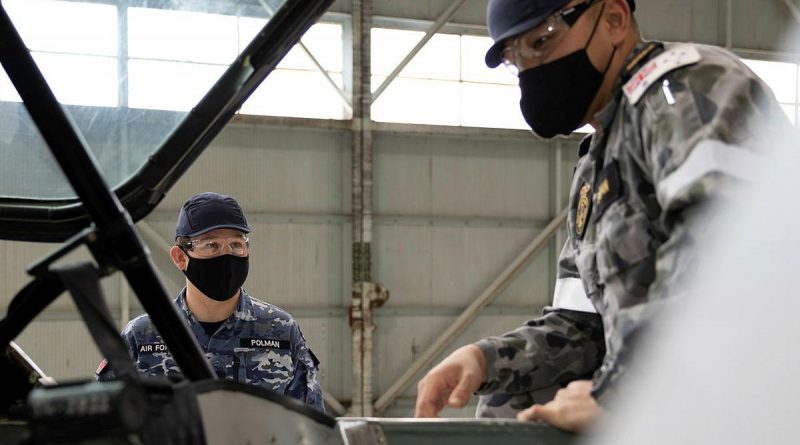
(259, 344)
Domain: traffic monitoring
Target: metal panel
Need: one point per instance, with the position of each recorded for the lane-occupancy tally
(763, 25)
(473, 12)
(400, 338)
(296, 265)
(329, 338)
(19, 255)
(63, 349)
(267, 168)
(442, 176)
(447, 266)
(700, 21)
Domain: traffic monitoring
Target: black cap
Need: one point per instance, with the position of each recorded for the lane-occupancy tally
(507, 18)
(208, 211)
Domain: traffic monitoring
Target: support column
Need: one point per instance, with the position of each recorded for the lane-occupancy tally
(360, 309)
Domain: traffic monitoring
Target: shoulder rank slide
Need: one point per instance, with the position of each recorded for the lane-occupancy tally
(672, 58)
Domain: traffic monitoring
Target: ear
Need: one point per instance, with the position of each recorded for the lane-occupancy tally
(618, 20)
(179, 258)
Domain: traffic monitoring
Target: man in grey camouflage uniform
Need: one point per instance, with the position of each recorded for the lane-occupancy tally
(677, 127)
(244, 339)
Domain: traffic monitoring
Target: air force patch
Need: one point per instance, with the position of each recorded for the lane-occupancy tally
(153, 348)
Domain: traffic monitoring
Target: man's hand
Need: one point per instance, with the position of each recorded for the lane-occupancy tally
(573, 408)
(451, 382)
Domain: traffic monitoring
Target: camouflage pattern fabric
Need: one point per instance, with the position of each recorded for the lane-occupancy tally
(259, 344)
(637, 196)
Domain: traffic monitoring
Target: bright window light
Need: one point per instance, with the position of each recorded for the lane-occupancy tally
(791, 112)
(182, 36)
(248, 28)
(159, 85)
(473, 67)
(389, 47)
(65, 27)
(296, 93)
(7, 91)
(80, 80)
(418, 101)
(780, 76)
(446, 83)
(438, 59)
(491, 105)
(297, 88)
(323, 40)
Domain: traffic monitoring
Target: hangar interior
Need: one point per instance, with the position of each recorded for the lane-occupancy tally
(381, 155)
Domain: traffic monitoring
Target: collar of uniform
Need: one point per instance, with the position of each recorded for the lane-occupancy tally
(180, 300)
(245, 306)
(244, 310)
(641, 53)
(585, 144)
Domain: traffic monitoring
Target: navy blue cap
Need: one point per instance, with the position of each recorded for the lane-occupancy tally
(208, 211)
(507, 18)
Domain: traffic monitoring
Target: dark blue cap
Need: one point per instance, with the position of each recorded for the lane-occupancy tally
(507, 18)
(208, 211)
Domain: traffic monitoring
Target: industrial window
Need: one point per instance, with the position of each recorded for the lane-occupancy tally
(295, 88)
(75, 46)
(446, 83)
(170, 58)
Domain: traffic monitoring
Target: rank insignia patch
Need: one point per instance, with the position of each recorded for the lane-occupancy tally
(609, 189)
(582, 209)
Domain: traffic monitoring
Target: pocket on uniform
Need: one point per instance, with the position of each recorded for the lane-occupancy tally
(266, 367)
(623, 241)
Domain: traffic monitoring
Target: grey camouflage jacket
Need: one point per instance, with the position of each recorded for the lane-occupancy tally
(259, 344)
(686, 123)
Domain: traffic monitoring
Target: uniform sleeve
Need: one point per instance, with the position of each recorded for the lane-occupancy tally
(701, 141)
(106, 371)
(304, 385)
(704, 132)
(564, 344)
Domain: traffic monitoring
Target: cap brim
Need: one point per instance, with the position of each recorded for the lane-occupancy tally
(244, 229)
(493, 56)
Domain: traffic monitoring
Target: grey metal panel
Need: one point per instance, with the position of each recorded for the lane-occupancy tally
(289, 170)
(404, 407)
(446, 176)
(449, 266)
(329, 339)
(63, 349)
(764, 25)
(472, 12)
(296, 265)
(756, 24)
(701, 21)
(400, 338)
(19, 255)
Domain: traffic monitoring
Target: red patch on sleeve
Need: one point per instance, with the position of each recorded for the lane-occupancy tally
(102, 366)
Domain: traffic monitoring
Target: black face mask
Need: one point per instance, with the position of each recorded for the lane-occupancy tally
(557, 95)
(219, 278)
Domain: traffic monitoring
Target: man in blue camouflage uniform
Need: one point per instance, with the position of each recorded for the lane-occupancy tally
(244, 339)
(677, 127)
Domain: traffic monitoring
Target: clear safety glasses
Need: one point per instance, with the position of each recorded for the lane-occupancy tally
(211, 247)
(532, 48)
